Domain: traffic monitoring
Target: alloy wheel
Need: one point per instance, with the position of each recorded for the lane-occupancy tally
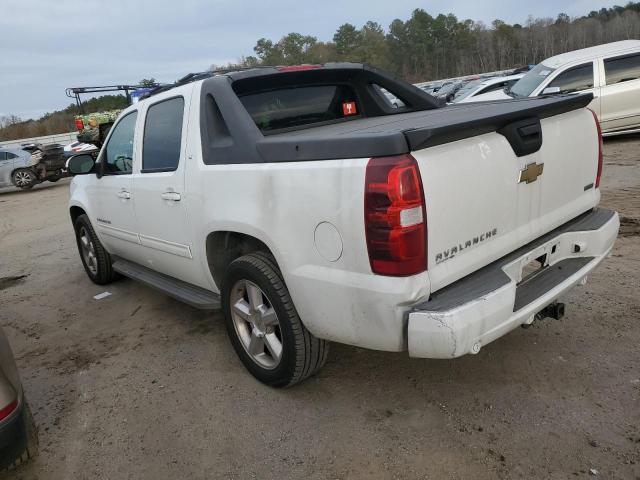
(256, 324)
(88, 251)
(22, 179)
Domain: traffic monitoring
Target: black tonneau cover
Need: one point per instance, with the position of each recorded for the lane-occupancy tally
(230, 136)
(406, 132)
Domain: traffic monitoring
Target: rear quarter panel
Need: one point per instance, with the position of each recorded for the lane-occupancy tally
(281, 205)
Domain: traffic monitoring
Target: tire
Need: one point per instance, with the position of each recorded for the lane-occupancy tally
(95, 259)
(301, 354)
(24, 178)
(25, 447)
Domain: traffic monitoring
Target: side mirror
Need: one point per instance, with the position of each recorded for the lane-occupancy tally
(81, 164)
(550, 90)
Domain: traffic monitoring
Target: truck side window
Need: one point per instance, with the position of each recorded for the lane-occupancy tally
(622, 69)
(118, 154)
(163, 136)
(574, 79)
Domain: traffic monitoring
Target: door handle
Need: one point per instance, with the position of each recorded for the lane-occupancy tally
(124, 194)
(171, 196)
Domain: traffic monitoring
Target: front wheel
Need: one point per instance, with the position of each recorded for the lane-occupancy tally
(24, 178)
(263, 324)
(95, 259)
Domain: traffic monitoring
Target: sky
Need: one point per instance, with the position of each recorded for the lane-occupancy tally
(49, 45)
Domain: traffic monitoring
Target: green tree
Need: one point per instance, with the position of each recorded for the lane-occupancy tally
(268, 53)
(373, 48)
(295, 48)
(147, 82)
(347, 38)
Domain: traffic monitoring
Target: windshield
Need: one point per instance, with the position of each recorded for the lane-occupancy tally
(527, 84)
(467, 90)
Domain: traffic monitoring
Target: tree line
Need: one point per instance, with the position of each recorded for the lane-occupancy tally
(421, 48)
(425, 47)
(13, 127)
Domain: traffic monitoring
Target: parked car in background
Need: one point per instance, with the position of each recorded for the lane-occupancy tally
(18, 435)
(448, 91)
(469, 92)
(430, 88)
(611, 72)
(26, 168)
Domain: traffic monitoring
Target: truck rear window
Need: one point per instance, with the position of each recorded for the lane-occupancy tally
(297, 107)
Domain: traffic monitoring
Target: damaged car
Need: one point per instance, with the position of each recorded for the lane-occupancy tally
(25, 168)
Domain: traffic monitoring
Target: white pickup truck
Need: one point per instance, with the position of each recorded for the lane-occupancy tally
(311, 210)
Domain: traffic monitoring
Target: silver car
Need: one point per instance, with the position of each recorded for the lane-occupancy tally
(25, 169)
(18, 436)
(15, 167)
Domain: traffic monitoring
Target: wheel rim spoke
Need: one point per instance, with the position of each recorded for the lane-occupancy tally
(268, 316)
(256, 345)
(255, 295)
(241, 308)
(274, 345)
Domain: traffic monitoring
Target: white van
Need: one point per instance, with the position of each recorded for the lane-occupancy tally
(610, 71)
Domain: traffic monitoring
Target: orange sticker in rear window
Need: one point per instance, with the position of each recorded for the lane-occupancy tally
(349, 108)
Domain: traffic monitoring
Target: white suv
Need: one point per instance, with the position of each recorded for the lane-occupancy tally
(611, 72)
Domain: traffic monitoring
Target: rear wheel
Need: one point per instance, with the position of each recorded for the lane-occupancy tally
(263, 324)
(95, 259)
(24, 178)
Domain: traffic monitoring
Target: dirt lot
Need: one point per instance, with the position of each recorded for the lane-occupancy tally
(140, 386)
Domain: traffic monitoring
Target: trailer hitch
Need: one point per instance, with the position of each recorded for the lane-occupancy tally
(553, 310)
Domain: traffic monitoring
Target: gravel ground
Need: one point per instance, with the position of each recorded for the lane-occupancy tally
(140, 386)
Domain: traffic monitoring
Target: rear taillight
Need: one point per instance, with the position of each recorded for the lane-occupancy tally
(395, 216)
(599, 174)
(79, 124)
(8, 410)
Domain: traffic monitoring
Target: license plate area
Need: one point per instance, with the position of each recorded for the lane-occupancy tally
(536, 261)
(533, 267)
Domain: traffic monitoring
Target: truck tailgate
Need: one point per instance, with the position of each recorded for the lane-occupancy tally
(479, 204)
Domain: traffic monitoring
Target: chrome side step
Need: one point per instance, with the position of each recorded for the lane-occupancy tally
(185, 292)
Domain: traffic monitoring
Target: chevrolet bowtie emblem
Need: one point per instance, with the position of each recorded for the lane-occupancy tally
(531, 173)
